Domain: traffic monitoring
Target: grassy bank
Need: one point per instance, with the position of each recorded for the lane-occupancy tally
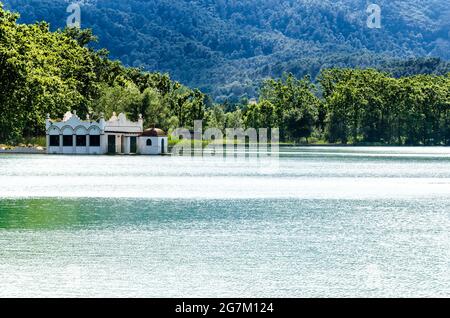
(31, 142)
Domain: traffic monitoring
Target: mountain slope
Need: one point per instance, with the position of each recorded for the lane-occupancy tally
(226, 47)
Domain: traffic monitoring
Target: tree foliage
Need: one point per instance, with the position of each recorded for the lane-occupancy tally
(228, 47)
(356, 106)
(370, 106)
(54, 72)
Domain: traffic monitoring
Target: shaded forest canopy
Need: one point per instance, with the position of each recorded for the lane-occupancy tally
(227, 47)
(54, 72)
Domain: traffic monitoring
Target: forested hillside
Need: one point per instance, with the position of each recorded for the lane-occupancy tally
(54, 72)
(226, 47)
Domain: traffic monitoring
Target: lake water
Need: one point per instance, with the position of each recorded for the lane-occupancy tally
(319, 222)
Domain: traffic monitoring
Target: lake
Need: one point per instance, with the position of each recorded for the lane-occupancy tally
(317, 222)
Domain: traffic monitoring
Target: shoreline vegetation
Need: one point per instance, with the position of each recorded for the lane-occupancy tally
(227, 48)
(44, 72)
(41, 149)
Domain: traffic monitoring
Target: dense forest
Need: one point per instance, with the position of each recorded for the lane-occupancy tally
(227, 47)
(44, 71)
(54, 72)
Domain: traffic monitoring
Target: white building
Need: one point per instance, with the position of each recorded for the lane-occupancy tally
(115, 136)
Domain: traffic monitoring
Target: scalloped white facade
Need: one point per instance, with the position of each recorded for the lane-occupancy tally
(118, 135)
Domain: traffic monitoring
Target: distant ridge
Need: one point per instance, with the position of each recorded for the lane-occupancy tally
(226, 47)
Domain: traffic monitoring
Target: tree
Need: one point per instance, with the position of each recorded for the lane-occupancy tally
(216, 117)
(54, 72)
(153, 110)
(234, 119)
(299, 124)
(296, 105)
(117, 99)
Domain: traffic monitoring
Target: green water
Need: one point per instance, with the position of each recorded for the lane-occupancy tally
(323, 222)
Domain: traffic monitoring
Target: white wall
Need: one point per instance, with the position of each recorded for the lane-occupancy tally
(119, 126)
(103, 144)
(68, 131)
(81, 131)
(77, 150)
(122, 142)
(155, 148)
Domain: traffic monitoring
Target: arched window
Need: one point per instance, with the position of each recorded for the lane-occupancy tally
(149, 142)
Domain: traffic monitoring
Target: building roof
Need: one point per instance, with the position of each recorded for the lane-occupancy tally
(154, 132)
(72, 122)
(120, 124)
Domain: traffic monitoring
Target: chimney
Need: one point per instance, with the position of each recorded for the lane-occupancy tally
(141, 122)
(102, 121)
(47, 121)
